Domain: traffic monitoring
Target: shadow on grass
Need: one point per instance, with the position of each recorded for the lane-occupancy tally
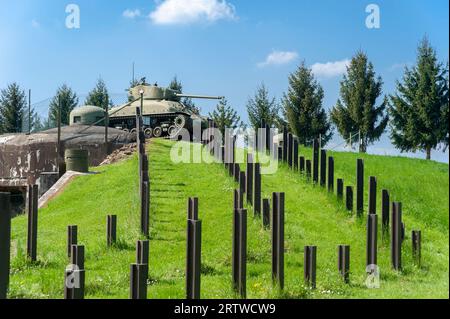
(121, 244)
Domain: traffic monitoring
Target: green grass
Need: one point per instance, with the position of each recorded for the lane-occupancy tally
(313, 217)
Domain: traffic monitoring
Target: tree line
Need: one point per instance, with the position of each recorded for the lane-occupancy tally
(14, 107)
(417, 113)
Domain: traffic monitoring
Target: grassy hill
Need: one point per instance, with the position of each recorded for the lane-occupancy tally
(313, 217)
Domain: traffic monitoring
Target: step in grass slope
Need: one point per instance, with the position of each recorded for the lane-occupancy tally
(313, 217)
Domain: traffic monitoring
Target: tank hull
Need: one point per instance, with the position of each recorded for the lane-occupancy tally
(154, 125)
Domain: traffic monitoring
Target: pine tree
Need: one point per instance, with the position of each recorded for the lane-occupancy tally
(356, 110)
(303, 108)
(419, 110)
(224, 116)
(133, 83)
(99, 96)
(37, 123)
(12, 107)
(190, 107)
(68, 101)
(176, 86)
(261, 108)
(188, 104)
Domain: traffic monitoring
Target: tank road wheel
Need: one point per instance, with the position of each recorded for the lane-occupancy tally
(157, 132)
(126, 130)
(148, 133)
(173, 131)
(133, 131)
(180, 121)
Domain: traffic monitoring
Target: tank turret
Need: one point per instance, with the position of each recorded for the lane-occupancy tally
(152, 92)
(162, 111)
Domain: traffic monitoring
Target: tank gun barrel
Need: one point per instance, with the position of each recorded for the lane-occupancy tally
(206, 97)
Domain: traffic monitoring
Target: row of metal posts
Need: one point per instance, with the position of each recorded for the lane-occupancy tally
(139, 271)
(290, 150)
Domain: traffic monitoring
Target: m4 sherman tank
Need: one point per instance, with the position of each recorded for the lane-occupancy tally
(162, 111)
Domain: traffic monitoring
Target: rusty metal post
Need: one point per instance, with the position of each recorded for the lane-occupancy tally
(266, 213)
(372, 195)
(5, 242)
(193, 260)
(385, 212)
(310, 255)
(228, 153)
(142, 252)
(268, 138)
(349, 198)
(144, 188)
(138, 137)
(145, 209)
(274, 236)
(257, 190)
(235, 250)
(295, 155)
(33, 194)
(192, 208)
(340, 188)
(323, 168)
(396, 240)
(237, 171)
(316, 161)
(243, 253)
(371, 245)
(138, 281)
(242, 181)
(359, 186)
(331, 174)
(111, 230)
(72, 238)
(308, 170)
(75, 275)
(302, 164)
(249, 178)
(238, 199)
(280, 153)
(417, 247)
(290, 147)
(344, 262)
(285, 144)
(232, 155)
(239, 253)
(278, 239)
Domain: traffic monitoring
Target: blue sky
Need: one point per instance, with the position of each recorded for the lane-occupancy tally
(214, 47)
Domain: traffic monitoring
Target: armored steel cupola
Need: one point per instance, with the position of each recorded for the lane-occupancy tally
(153, 92)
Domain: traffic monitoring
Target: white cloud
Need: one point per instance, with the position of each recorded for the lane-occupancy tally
(35, 23)
(399, 66)
(330, 69)
(279, 58)
(189, 11)
(131, 14)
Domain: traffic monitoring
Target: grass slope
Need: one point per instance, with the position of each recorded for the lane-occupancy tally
(312, 217)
